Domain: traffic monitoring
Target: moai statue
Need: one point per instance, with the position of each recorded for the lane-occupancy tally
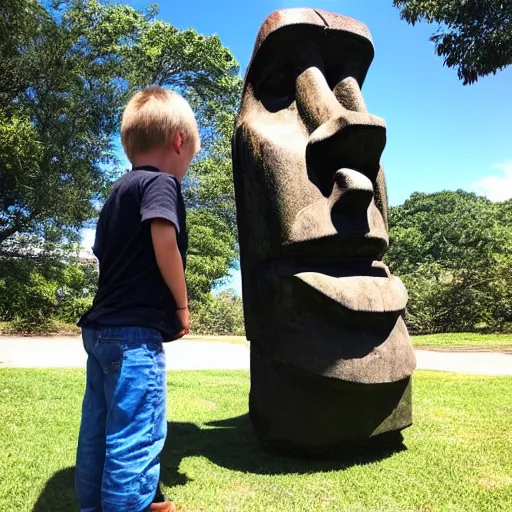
(331, 358)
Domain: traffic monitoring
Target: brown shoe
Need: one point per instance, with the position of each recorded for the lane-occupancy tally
(164, 506)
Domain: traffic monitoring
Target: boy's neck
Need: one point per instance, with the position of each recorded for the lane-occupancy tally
(163, 161)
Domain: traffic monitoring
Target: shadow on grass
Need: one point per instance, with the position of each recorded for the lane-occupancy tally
(59, 493)
(232, 444)
(228, 443)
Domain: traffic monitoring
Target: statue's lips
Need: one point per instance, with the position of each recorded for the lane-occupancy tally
(350, 246)
(369, 294)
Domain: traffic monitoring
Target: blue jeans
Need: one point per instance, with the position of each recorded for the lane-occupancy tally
(124, 425)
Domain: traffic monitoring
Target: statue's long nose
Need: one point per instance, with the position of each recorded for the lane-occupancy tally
(342, 133)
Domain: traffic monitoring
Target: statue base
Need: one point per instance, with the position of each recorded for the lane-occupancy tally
(297, 413)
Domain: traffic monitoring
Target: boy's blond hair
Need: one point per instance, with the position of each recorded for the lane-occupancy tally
(151, 119)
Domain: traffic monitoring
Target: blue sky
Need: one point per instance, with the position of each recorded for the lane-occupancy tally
(441, 134)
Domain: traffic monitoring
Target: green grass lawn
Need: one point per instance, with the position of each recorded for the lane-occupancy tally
(458, 341)
(458, 457)
(57, 328)
(464, 340)
(237, 340)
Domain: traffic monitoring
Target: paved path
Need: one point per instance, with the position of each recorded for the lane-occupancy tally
(199, 355)
(69, 353)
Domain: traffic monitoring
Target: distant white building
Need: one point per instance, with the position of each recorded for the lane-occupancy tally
(87, 257)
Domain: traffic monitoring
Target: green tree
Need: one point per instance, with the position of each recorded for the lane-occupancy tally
(473, 36)
(211, 215)
(220, 314)
(69, 67)
(20, 21)
(36, 293)
(454, 252)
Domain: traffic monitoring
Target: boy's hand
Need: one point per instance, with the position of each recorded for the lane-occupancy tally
(183, 316)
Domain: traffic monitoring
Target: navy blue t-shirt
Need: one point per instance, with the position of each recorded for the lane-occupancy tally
(131, 290)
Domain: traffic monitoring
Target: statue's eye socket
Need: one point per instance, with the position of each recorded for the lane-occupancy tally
(279, 83)
(337, 71)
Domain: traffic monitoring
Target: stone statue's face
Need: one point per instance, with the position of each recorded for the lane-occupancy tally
(311, 193)
(315, 145)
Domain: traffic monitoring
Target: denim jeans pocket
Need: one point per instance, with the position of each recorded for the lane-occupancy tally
(116, 345)
(110, 357)
(154, 346)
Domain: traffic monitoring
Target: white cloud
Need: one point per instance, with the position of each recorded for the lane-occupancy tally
(497, 187)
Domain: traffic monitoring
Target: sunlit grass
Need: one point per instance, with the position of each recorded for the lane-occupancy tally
(459, 455)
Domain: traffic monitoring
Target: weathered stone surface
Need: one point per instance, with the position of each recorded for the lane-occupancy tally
(331, 358)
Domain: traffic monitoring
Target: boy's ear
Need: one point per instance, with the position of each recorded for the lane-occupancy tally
(177, 143)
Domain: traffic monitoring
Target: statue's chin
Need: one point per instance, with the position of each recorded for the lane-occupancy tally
(343, 321)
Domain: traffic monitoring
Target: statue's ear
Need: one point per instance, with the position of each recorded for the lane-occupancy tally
(381, 195)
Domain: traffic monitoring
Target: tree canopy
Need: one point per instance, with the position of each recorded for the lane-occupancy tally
(67, 69)
(454, 252)
(473, 36)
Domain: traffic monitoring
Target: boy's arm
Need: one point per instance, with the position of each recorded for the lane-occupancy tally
(168, 258)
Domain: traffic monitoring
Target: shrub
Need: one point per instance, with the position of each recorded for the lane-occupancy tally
(221, 314)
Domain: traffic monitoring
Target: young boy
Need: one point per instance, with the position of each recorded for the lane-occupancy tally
(141, 245)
